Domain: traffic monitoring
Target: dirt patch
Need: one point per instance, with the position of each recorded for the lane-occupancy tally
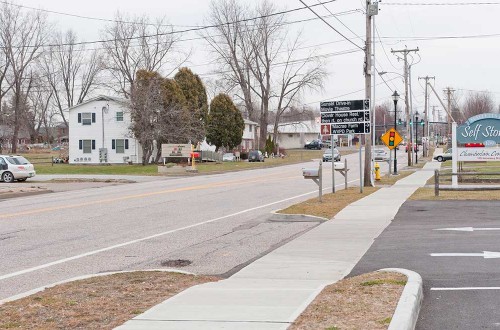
(103, 302)
(366, 301)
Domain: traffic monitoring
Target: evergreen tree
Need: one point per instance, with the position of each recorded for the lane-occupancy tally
(225, 123)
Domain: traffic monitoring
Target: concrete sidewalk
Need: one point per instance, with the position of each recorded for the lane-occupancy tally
(271, 292)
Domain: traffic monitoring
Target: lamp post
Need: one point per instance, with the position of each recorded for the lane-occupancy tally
(416, 137)
(395, 98)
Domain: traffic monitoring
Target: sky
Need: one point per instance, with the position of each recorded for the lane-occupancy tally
(458, 41)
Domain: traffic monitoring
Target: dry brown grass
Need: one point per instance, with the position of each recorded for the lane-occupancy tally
(331, 204)
(101, 302)
(366, 301)
(428, 194)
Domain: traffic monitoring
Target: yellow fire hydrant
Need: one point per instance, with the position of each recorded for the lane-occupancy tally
(377, 172)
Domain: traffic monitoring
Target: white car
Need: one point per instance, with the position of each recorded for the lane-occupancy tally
(15, 168)
(228, 157)
(380, 155)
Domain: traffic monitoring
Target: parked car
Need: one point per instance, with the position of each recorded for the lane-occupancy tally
(255, 156)
(447, 155)
(15, 168)
(380, 155)
(314, 144)
(228, 157)
(327, 156)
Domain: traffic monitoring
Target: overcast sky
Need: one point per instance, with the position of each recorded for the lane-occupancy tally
(468, 62)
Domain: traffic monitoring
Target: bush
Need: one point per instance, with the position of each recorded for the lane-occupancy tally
(244, 155)
(269, 146)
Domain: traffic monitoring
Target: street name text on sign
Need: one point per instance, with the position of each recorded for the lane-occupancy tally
(345, 117)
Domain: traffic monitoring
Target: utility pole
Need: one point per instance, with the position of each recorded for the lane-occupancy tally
(371, 10)
(426, 110)
(405, 52)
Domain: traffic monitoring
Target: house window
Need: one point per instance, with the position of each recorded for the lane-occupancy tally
(119, 145)
(86, 118)
(86, 146)
(119, 116)
(249, 128)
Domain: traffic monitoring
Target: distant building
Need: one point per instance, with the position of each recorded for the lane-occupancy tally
(99, 132)
(251, 135)
(295, 134)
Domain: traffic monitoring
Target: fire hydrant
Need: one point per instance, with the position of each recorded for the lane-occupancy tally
(377, 172)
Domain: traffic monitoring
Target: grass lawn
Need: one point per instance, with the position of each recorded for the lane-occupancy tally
(43, 164)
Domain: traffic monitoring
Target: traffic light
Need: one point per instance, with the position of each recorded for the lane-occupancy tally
(422, 122)
(392, 137)
(400, 121)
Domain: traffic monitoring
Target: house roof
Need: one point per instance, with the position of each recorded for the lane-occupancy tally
(309, 126)
(249, 122)
(101, 98)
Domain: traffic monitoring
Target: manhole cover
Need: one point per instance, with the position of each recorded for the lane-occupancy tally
(176, 263)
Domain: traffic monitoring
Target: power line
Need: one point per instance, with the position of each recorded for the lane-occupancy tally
(440, 4)
(343, 36)
(194, 29)
(341, 21)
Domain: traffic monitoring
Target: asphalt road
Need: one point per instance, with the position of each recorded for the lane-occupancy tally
(215, 223)
(445, 242)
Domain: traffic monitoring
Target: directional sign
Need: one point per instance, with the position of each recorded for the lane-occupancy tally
(391, 138)
(357, 128)
(485, 255)
(333, 106)
(326, 129)
(345, 117)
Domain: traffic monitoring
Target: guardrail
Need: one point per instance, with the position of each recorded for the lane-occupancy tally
(437, 188)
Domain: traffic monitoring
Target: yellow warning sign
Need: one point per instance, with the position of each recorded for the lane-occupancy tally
(391, 138)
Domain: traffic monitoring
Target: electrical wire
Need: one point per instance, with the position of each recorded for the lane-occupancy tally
(194, 29)
(343, 36)
(338, 19)
(440, 3)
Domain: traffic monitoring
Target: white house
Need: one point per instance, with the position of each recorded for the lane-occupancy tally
(99, 133)
(250, 136)
(294, 135)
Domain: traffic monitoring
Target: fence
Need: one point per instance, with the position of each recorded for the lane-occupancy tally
(438, 188)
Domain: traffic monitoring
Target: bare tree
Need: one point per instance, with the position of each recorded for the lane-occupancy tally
(232, 48)
(135, 44)
(257, 58)
(296, 76)
(477, 103)
(70, 73)
(22, 35)
(42, 113)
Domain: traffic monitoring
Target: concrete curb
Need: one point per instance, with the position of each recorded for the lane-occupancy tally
(406, 314)
(84, 277)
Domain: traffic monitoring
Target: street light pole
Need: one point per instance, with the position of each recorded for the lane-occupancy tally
(395, 98)
(416, 137)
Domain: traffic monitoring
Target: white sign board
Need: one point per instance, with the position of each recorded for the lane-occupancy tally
(176, 150)
(478, 154)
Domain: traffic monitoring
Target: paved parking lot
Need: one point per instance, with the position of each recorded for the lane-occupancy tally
(455, 247)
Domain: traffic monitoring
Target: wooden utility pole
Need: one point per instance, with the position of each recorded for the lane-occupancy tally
(405, 52)
(426, 111)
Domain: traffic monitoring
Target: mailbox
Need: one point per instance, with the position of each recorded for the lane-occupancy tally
(310, 173)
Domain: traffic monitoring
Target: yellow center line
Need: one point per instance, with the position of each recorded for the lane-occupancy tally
(155, 193)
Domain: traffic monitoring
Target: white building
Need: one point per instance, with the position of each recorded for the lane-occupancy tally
(251, 134)
(294, 135)
(99, 133)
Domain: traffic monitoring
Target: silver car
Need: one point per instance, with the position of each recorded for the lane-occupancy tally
(327, 156)
(15, 168)
(380, 155)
